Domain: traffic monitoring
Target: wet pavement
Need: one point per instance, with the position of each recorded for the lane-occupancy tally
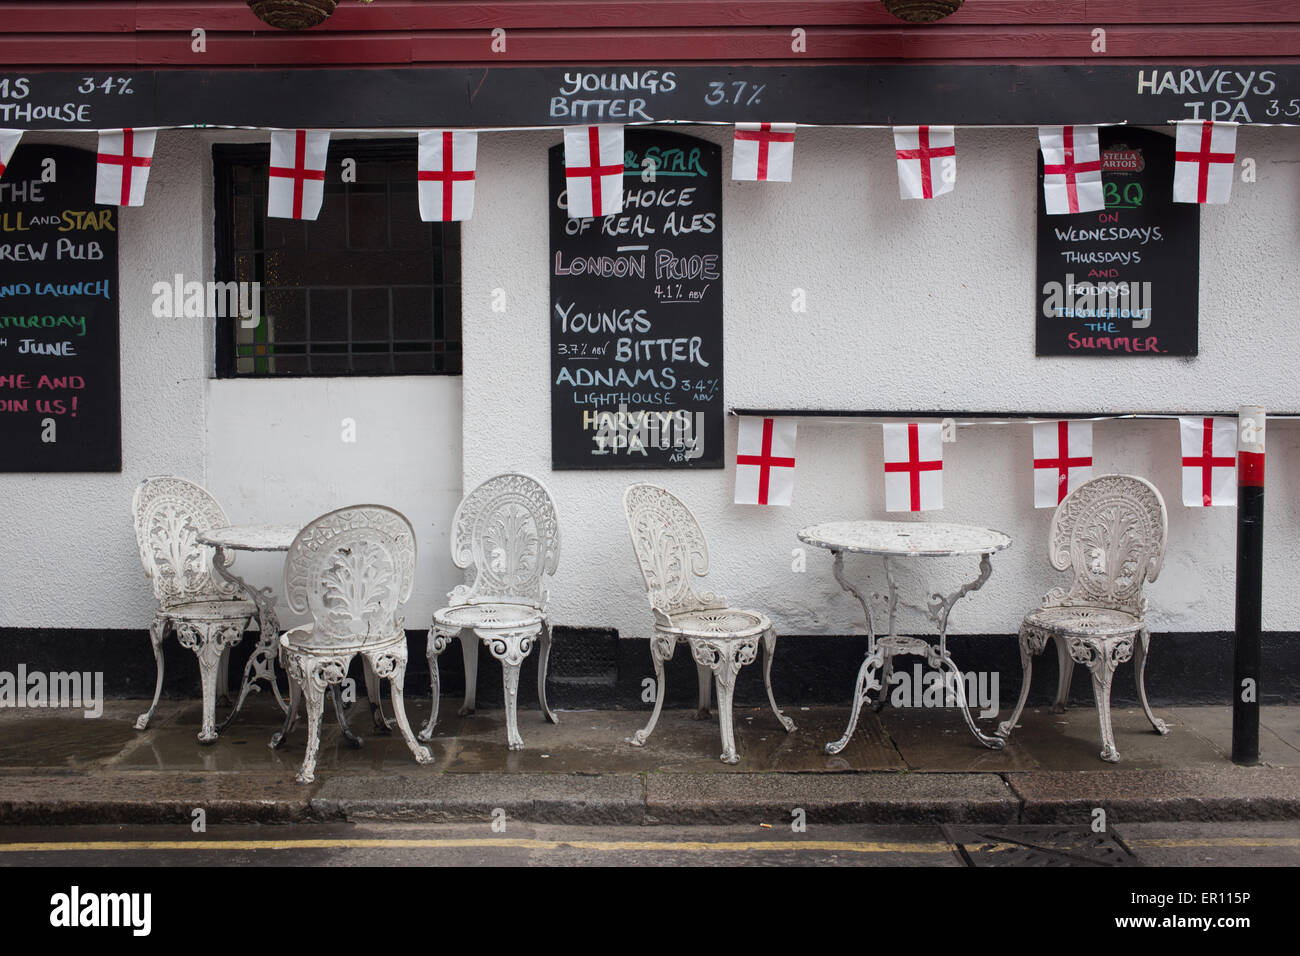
(913, 766)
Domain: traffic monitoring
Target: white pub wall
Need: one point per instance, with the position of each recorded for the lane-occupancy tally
(912, 305)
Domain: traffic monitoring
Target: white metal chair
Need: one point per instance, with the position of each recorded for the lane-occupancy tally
(351, 569)
(506, 536)
(204, 610)
(1110, 531)
(670, 548)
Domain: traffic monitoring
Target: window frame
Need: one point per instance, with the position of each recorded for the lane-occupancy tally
(225, 157)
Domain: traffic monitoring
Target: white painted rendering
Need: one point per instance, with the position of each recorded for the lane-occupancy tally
(271, 451)
(911, 305)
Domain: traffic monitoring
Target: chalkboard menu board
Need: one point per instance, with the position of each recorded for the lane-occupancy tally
(636, 313)
(60, 399)
(1123, 281)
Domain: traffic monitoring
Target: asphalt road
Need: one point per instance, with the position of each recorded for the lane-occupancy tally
(519, 844)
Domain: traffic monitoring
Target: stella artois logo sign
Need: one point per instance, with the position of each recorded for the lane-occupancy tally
(1122, 159)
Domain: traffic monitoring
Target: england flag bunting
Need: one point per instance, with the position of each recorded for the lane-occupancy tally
(913, 467)
(765, 461)
(8, 143)
(1204, 161)
(297, 185)
(122, 166)
(1209, 461)
(1071, 169)
(927, 160)
(446, 174)
(1062, 460)
(593, 168)
(763, 152)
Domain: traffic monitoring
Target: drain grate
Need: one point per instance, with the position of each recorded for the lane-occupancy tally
(1039, 846)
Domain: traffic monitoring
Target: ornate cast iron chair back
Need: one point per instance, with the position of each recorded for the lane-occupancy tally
(670, 549)
(507, 538)
(1111, 531)
(351, 569)
(169, 515)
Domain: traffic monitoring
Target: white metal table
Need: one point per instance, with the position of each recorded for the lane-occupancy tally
(894, 540)
(253, 537)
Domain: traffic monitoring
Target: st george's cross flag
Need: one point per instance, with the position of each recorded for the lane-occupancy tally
(297, 184)
(1209, 461)
(593, 169)
(1205, 157)
(122, 166)
(763, 152)
(446, 162)
(765, 461)
(8, 143)
(927, 160)
(913, 467)
(1062, 460)
(1071, 169)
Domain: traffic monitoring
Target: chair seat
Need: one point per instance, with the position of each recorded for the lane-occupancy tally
(231, 610)
(493, 616)
(1079, 621)
(301, 638)
(717, 622)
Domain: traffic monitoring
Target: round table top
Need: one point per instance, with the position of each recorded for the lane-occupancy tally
(904, 538)
(251, 537)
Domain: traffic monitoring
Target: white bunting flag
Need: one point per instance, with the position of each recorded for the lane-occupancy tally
(593, 167)
(1062, 460)
(297, 186)
(1209, 461)
(1204, 161)
(1071, 169)
(927, 160)
(122, 166)
(8, 143)
(913, 467)
(763, 152)
(446, 174)
(765, 461)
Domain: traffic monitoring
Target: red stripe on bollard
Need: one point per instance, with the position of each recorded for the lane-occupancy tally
(1250, 469)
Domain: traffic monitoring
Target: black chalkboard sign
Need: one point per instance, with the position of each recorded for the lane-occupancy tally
(636, 313)
(60, 398)
(1123, 281)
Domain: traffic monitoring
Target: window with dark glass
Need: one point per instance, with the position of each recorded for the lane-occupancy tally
(365, 289)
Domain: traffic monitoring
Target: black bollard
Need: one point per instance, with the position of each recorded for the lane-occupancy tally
(1250, 573)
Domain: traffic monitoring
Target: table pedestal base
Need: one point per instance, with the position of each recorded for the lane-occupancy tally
(875, 669)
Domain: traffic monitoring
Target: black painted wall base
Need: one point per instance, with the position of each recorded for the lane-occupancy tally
(593, 668)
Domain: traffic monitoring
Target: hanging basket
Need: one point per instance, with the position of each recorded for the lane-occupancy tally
(921, 11)
(292, 14)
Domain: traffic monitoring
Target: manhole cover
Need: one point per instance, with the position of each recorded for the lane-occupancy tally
(1039, 846)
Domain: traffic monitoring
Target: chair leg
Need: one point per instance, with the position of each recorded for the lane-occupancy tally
(437, 644)
(1064, 675)
(725, 658)
(661, 649)
(469, 654)
(157, 631)
(207, 640)
(510, 648)
(336, 692)
(542, 663)
(1140, 662)
(391, 663)
(1030, 645)
(314, 694)
(374, 694)
(705, 677)
(1099, 656)
(314, 676)
(769, 651)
